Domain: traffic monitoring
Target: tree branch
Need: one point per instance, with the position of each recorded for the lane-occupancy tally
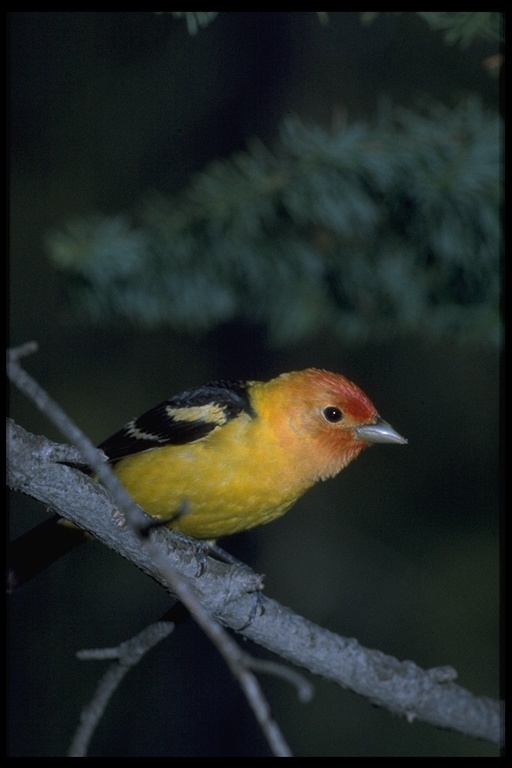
(127, 655)
(227, 593)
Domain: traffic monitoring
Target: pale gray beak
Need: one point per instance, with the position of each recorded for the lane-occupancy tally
(379, 432)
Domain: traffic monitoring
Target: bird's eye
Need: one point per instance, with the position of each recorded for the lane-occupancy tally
(333, 414)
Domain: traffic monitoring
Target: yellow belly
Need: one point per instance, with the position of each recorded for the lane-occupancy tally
(204, 495)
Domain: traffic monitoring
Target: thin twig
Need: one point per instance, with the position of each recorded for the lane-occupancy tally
(232, 654)
(90, 454)
(304, 688)
(128, 654)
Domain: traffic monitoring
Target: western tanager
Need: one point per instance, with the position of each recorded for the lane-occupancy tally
(228, 456)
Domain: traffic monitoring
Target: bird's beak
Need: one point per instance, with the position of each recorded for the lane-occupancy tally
(379, 432)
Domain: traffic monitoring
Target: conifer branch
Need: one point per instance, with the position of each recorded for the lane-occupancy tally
(368, 232)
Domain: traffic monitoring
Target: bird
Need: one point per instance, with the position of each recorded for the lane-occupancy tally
(228, 456)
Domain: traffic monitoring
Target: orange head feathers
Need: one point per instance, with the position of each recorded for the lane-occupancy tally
(332, 419)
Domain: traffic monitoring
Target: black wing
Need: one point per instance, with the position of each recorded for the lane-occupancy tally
(182, 419)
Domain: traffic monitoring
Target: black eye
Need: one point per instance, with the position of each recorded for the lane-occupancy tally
(333, 414)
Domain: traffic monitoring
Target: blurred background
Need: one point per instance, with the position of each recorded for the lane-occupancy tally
(113, 111)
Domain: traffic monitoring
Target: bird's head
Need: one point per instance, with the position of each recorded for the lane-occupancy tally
(332, 417)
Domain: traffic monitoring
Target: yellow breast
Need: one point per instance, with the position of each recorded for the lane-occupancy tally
(234, 479)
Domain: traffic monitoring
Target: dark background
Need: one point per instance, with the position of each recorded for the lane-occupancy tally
(401, 550)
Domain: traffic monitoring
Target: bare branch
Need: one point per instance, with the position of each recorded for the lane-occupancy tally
(128, 654)
(227, 593)
(304, 688)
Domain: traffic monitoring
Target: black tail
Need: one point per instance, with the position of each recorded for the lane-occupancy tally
(39, 548)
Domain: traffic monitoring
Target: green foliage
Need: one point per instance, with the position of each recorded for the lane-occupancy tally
(462, 27)
(373, 230)
(377, 229)
(459, 27)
